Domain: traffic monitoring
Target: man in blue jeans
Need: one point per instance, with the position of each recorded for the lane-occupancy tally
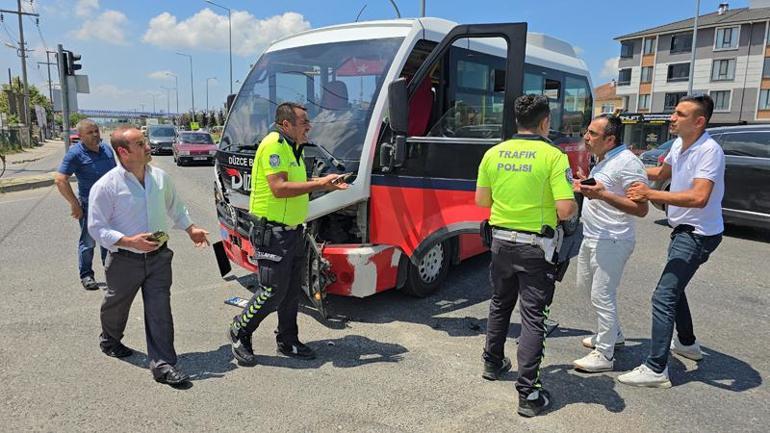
(696, 167)
(88, 161)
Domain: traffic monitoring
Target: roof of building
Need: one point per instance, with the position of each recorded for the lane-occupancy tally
(605, 92)
(732, 16)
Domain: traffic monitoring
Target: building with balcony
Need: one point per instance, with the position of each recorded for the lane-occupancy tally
(731, 63)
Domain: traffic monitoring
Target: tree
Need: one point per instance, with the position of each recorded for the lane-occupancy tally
(35, 98)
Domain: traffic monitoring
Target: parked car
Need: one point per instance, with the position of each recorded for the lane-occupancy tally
(144, 130)
(194, 147)
(161, 138)
(747, 174)
(651, 157)
(74, 136)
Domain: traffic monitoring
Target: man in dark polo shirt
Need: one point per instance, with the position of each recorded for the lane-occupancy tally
(88, 161)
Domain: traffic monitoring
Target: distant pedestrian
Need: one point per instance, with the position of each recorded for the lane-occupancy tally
(88, 160)
(129, 212)
(608, 234)
(696, 167)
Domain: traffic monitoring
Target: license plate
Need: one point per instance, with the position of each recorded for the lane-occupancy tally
(200, 158)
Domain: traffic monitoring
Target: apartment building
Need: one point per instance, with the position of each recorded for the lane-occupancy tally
(732, 64)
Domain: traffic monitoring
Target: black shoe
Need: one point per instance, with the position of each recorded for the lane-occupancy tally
(118, 351)
(172, 376)
(536, 402)
(89, 283)
(296, 350)
(494, 371)
(241, 348)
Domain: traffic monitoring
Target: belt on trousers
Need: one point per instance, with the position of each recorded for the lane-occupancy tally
(127, 253)
(517, 237)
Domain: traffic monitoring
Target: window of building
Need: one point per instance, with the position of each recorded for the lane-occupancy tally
(678, 72)
(646, 74)
(624, 77)
(649, 46)
(681, 43)
(672, 99)
(752, 144)
(723, 70)
(726, 38)
(626, 50)
(766, 68)
(644, 102)
(721, 100)
(608, 107)
(764, 99)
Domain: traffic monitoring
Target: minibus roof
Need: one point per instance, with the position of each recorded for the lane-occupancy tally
(542, 50)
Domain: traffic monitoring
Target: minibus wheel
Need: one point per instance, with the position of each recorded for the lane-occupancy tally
(425, 278)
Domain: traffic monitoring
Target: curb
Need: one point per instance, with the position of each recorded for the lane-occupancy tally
(28, 182)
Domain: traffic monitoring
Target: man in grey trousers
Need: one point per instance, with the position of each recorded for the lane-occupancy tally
(128, 215)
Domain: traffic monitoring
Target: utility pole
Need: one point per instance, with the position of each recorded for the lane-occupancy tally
(23, 53)
(65, 99)
(694, 46)
(192, 83)
(422, 14)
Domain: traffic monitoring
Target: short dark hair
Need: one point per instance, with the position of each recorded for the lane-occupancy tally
(117, 138)
(531, 110)
(614, 126)
(705, 105)
(285, 111)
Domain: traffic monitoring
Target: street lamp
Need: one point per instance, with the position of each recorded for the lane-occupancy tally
(693, 47)
(168, 98)
(176, 88)
(192, 87)
(207, 92)
(230, 31)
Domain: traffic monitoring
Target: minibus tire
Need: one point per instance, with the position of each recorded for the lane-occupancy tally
(440, 254)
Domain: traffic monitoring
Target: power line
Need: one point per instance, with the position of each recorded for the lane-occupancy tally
(5, 27)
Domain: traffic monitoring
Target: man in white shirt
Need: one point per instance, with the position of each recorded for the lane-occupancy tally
(127, 205)
(608, 234)
(696, 167)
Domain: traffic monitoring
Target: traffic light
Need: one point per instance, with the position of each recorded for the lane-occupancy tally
(71, 65)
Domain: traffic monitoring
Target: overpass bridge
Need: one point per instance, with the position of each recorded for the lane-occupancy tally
(119, 114)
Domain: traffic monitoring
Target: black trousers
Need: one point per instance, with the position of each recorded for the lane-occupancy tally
(519, 271)
(280, 277)
(126, 273)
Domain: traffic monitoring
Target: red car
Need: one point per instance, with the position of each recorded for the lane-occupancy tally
(194, 147)
(74, 136)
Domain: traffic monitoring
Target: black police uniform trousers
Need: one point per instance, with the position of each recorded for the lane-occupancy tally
(519, 271)
(280, 283)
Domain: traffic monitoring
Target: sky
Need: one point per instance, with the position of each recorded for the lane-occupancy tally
(129, 46)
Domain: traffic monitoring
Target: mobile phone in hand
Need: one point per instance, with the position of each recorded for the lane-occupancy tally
(159, 236)
(590, 181)
(342, 178)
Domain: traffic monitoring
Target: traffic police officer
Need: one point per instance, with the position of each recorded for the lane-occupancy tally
(527, 182)
(279, 206)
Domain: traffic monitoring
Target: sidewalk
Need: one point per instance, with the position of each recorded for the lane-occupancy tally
(32, 168)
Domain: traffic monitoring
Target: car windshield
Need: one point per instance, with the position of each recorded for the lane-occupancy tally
(338, 83)
(196, 138)
(162, 132)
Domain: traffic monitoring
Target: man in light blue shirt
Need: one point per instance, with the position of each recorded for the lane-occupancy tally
(129, 205)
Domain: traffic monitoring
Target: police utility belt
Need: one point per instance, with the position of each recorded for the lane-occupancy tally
(549, 245)
(261, 230)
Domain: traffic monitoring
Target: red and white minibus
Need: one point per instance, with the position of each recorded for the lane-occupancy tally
(409, 106)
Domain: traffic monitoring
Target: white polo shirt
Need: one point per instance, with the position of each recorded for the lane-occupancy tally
(617, 171)
(703, 160)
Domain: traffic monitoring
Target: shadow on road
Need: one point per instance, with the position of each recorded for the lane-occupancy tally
(717, 369)
(569, 387)
(347, 352)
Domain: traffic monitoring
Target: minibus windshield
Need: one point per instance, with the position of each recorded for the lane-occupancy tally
(337, 82)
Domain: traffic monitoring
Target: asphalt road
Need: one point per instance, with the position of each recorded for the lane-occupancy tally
(387, 363)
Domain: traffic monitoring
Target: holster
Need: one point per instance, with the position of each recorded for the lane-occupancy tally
(260, 233)
(485, 230)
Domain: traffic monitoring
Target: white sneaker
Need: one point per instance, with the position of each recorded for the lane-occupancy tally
(690, 352)
(643, 376)
(590, 342)
(594, 362)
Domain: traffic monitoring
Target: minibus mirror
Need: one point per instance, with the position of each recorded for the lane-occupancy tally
(398, 106)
